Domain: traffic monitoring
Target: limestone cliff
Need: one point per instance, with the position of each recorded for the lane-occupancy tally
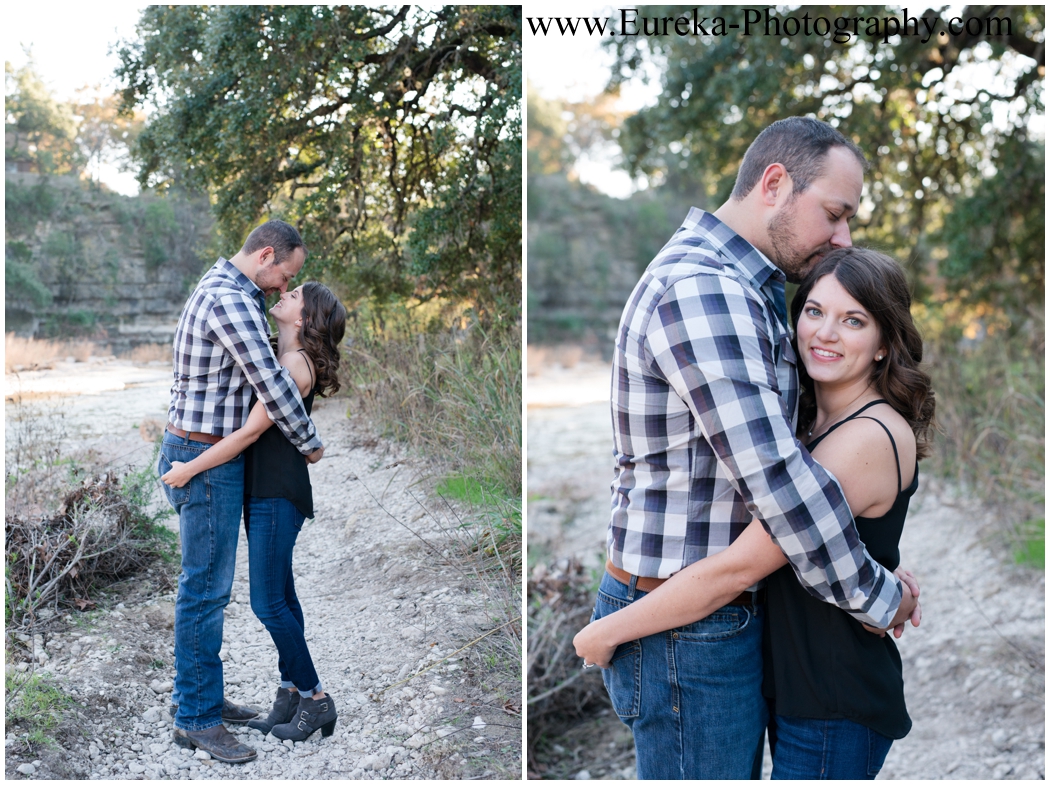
(83, 261)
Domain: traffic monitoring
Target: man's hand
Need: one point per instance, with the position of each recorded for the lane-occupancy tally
(178, 475)
(909, 609)
(592, 648)
(315, 456)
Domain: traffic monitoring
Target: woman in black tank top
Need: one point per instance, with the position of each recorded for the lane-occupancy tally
(277, 500)
(835, 688)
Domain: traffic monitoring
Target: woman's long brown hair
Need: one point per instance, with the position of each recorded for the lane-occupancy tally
(324, 324)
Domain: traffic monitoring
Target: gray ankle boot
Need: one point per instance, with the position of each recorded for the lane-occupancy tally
(284, 708)
(311, 715)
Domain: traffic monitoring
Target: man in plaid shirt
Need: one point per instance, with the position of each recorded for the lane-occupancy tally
(704, 394)
(221, 354)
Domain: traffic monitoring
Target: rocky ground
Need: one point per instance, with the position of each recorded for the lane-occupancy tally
(973, 671)
(387, 591)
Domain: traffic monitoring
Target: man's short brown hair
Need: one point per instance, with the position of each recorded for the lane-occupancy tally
(800, 144)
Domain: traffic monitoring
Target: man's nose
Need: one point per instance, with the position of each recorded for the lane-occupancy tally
(841, 238)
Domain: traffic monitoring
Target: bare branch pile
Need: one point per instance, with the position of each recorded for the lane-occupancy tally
(95, 538)
(561, 599)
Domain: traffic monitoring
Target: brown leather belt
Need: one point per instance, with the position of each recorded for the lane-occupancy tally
(207, 438)
(648, 584)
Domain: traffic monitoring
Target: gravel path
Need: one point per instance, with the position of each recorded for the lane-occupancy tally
(973, 671)
(383, 599)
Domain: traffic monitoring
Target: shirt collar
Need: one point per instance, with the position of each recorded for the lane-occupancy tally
(242, 280)
(734, 249)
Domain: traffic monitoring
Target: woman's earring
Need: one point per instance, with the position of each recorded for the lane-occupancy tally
(878, 357)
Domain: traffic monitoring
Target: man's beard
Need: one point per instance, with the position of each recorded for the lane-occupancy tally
(787, 254)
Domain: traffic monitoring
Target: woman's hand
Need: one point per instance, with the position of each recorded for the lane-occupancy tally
(591, 644)
(909, 609)
(178, 475)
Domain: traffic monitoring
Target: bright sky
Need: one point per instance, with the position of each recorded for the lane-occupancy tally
(70, 45)
(575, 68)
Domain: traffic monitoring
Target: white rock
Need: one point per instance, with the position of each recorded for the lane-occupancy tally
(152, 714)
(438, 690)
(478, 723)
(158, 749)
(136, 768)
(160, 687)
(27, 769)
(200, 754)
(583, 774)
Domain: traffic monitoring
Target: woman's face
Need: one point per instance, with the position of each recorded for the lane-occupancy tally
(837, 338)
(289, 308)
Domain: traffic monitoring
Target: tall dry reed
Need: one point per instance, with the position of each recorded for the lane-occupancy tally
(454, 394)
(991, 418)
(32, 353)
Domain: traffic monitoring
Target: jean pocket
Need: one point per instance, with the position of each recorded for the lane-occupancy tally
(878, 749)
(623, 677)
(176, 496)
(727, 622)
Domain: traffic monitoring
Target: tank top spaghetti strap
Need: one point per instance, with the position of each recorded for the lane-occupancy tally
(857, 415)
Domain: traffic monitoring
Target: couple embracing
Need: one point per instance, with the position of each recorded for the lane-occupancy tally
(220, 456)
(763, 473)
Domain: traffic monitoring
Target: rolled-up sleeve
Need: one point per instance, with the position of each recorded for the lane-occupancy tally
(709, 339)
(235, 324)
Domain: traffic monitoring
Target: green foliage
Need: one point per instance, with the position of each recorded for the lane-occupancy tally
(468, 489)
(75, 323)
(1031, 549)
(995, 237)
(20, 278)
(918, 110)
(25, 206)
(160, 232)
(37, 128)
(391, 137)
(36, 704)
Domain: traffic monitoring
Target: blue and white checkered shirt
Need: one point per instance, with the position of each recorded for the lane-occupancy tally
(704, 407)
(222, 352)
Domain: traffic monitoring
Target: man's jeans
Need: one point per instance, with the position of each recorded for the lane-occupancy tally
(273, 526)
(806, 749)
(691, 696)
(209, 509)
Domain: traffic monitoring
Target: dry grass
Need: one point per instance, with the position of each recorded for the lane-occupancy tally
(566, 355)
(148, 352)
(29, 353)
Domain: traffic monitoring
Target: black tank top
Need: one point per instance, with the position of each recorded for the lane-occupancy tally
(820, 663)
(275, 469)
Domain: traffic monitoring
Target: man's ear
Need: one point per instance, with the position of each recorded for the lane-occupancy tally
(266, 256)
(775, 185)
